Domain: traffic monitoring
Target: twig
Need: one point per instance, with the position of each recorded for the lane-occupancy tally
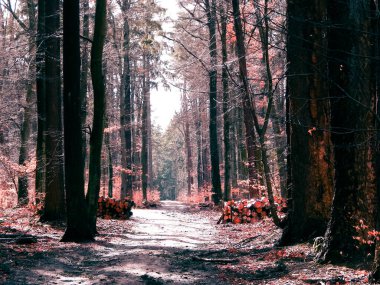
(216, 260)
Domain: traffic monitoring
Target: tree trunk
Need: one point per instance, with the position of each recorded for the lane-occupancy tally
(250, 136)
(98, 85)
(126, 186)
(198, 135)
(280, 145)
(144, 131)
(78, 229)
(41, 100)
(54, 200)
(213, 128)
(226, 111)
(189, 161)
(352, 123)
(375, 273)
(22, 192)
(84, 75)
(312, 160)
(26, 124)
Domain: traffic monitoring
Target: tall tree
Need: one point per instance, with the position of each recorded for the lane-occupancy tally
(54, 200)
(226, 99)
(41, 99)
(350, 50)
(84, 71)
(213, 77)
(126, 108)
(186, 132)
(98, 85)
(250, 136)
(250, 114)
(25, 130)
(145, 127)
(311, 160)
(78, 228)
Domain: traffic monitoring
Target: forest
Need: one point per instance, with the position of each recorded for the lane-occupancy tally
(275, 135)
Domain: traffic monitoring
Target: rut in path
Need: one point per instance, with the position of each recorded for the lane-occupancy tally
(155, 247)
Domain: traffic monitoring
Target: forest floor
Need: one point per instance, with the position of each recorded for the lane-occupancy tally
(171, 244)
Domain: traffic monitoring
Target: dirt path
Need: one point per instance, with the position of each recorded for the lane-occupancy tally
(158, 246)
(155, 247)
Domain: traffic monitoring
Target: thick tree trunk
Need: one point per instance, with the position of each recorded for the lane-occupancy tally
(352, 124)
(78, 229)
(375, 273)
(98, 85)
(54, 200)
(312, 160)
(213, 128)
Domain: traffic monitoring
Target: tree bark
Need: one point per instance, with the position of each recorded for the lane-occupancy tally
(126, 186)
(23, 198)
(198, 134)
(226, 111)
(144, 130)
(189, 161)
(77, 229)
(250, 136)
(352, 123)
(213, 127)
(41, 100)
(375, 272)
(54, 200)
(84, 75)
(312, 160)
(98, 85)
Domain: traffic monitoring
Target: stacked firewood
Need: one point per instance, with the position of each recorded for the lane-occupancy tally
(249, 211)
(109, 208)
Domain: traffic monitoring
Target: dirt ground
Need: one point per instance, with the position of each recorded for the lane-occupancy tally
(171, 244)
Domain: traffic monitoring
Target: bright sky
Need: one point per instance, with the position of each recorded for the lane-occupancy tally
(165, 102)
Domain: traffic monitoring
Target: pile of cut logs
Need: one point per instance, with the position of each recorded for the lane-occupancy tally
(109, 208)
(249, 211)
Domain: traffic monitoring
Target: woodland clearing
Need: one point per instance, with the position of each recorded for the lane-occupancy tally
(171, 244)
